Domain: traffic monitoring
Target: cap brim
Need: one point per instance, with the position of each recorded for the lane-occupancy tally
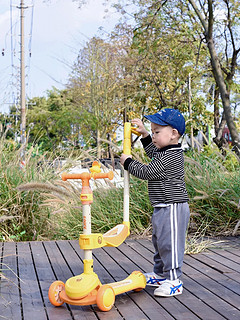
(153, 118)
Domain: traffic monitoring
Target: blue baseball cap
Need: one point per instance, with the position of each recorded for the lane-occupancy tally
(169, 117)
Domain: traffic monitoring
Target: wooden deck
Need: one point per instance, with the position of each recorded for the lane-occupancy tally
(211, 282)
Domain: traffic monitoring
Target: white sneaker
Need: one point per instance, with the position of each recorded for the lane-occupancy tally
(169, 288)
(153, 279)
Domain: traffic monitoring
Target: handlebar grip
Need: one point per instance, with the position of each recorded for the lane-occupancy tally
(66, 176)
(127, 138)
(133, 130)
(102, 175)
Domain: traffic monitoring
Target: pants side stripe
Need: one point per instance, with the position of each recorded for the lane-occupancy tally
(172, 240)
(176, 234)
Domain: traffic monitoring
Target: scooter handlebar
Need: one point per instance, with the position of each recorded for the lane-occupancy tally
(86, 175)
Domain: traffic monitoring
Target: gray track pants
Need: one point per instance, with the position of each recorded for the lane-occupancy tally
(169, 224)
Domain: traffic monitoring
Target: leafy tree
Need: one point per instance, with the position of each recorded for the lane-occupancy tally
(50, 120)
(94, 87)
(222, 39)
(210, 32)
(165, 50)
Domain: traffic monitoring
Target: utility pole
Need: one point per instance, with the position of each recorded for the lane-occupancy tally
(22, 72)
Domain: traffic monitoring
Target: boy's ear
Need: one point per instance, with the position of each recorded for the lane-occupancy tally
(175, 134)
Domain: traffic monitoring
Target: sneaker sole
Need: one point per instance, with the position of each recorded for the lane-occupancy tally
(167, 295)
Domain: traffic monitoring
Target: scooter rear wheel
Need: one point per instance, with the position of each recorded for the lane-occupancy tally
(54, 293)
(105, 297)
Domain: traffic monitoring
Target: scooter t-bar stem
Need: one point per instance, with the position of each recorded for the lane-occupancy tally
(126, 150)
(128, 130)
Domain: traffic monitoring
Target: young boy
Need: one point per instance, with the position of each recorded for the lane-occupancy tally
(167, 194)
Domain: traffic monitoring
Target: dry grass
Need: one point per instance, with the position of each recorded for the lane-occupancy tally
(34, 202)
(214, 196)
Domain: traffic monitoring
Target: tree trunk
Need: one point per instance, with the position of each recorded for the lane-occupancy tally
(224, 96)
(98, 145)
(216, 110)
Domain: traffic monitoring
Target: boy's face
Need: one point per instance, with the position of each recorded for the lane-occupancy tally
(163, 136)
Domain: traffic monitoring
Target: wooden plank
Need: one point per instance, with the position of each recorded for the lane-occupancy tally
(234, 251)
(201, 306)
(213, 293)
(30, 293)
(63, 272)
(218, 266)
(45, 278)
(74, 260)
(139, 255)
(146, 243)
(211, 290)
(213, 281)
(173, 306)
(10, 304)
(236, 242)
(227, 255)
(213, 274)
(227, 265)
(69, 251)
(189, 299)
(149, 306)
(206, 259)
(58, 263)
(214, 265)
(124, 305)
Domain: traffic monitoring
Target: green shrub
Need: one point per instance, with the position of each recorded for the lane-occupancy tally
(214, 193)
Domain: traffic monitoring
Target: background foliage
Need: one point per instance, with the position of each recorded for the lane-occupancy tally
(37, 205)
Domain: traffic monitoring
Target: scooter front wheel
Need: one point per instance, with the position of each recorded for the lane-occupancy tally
(105, 297)
(54, 293)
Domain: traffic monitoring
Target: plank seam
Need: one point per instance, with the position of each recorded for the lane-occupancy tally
(19, 282)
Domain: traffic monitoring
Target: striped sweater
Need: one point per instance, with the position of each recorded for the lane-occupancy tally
(165, 173)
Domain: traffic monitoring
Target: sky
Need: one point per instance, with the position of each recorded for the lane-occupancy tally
(55, 31)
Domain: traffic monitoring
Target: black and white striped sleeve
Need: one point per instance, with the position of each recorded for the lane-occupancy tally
(153, 171)
(149, 147)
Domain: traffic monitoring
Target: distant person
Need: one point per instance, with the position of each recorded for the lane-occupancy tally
(167, 194)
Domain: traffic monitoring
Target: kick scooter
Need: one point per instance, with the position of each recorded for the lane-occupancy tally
(86, 288)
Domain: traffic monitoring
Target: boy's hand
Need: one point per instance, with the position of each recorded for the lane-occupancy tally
(140, 127)
(124, 157)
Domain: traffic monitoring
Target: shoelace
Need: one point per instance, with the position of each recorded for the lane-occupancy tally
(155, 280)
